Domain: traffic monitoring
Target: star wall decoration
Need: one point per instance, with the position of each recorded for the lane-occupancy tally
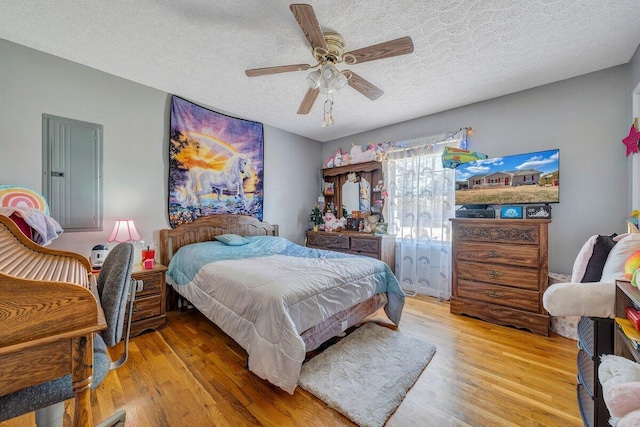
(631, 141)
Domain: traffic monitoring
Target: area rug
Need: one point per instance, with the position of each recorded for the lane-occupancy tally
(366, 375)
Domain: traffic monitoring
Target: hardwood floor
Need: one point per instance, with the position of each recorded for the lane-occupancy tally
(192, 374)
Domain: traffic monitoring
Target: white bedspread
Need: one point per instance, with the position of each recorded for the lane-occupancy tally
(265, 303)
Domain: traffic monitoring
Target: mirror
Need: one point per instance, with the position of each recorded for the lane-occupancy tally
(365, 195)
(351, 196)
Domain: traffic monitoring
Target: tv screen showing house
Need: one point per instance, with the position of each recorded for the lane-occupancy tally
(517, 179)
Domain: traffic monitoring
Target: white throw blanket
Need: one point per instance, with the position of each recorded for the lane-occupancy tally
(45, 228)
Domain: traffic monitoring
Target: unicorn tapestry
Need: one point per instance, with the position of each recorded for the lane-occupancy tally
(216, 164)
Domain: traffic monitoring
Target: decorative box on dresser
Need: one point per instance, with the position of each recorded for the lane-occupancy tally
(500, 271)
(149, 307)
(379, 247)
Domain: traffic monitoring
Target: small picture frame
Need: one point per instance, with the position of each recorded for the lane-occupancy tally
(381, 228)
(511, 212)
(329, 189)
(538, 212)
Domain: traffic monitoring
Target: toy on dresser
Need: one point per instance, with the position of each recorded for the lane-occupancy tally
(331, 223)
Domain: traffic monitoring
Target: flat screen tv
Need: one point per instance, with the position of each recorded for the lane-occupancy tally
(530, 178)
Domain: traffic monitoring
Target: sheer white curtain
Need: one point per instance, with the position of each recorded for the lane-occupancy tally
(420, 202)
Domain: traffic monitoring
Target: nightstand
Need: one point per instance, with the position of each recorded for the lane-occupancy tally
(149, 309)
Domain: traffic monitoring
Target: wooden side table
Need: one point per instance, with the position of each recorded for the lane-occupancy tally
(149, 307)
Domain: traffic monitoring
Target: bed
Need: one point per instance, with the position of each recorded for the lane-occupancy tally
(278, 300)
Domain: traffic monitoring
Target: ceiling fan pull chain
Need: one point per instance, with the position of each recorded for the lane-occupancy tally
(328, 112)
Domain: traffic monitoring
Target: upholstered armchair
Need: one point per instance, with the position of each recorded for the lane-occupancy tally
(591, 291)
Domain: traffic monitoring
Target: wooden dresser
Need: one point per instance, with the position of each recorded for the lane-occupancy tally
(500, 271)
(379, 247)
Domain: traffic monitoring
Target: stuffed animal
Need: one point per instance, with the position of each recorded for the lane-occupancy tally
(378, 188)
(331, 223)
(359, 156)
(335, 157)
(370, 223)
(339, 159)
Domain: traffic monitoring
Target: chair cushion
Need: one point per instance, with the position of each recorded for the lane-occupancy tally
(113, 288)
(581, 299)
(58, 390)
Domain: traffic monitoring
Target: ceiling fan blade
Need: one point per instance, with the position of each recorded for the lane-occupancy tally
(308, 100)
(275, 70)
(308, 22)
(363, 86)
(396, 47)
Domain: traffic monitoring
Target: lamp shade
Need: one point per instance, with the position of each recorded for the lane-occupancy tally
(124, 231)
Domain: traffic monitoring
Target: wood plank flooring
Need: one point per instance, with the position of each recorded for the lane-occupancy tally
(192, 374)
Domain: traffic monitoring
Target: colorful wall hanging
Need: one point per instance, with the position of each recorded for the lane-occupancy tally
(216, 164)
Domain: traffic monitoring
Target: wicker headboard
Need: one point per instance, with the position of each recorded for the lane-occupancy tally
(204, 228)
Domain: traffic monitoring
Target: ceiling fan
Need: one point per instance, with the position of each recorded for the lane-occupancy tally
(328, 49)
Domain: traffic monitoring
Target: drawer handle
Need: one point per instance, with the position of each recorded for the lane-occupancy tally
(494, 273)
(493, 254)
(494, 294)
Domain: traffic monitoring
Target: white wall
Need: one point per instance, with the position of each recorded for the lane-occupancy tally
(135, 120)
(586, 117)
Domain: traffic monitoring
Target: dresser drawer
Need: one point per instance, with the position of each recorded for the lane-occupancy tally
(525, 256)
(501, 295)
(328, 241)
(499, 232)
(146, 307)
(151, 284)
(498, 274)
(361, 244)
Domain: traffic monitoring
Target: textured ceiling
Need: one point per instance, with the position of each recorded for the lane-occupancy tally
(465, 50)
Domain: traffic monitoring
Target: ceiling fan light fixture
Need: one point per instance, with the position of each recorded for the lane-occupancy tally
(329, 72)
(314, 79)
(340, 81)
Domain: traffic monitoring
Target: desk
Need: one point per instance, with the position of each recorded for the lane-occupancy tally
(46, 331)
(48, 317)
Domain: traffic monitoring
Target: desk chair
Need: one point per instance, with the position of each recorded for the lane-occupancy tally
(113, 289)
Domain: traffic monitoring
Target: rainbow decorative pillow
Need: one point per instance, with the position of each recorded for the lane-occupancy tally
(22, 198)
(632, 264)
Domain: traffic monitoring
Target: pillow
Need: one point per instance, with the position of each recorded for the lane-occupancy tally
(580, 264)
(231, 239)
(597, 261)
(614, 267)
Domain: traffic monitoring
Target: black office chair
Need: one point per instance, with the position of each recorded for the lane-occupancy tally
(114, 289)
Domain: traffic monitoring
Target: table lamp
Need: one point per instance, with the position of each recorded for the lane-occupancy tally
(124, 231)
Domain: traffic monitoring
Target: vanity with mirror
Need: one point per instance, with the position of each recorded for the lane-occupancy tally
(352, 190)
